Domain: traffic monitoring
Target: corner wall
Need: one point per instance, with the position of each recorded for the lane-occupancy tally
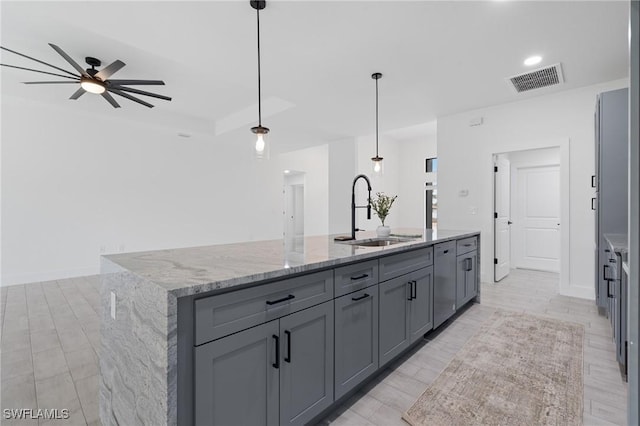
(465, 162)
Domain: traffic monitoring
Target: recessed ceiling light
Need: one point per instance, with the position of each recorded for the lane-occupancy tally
(286, 172)
(532, 60)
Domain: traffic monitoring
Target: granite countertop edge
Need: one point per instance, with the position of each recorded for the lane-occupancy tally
(195, 287)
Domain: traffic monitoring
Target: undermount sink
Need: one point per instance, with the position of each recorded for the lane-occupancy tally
(378, 242)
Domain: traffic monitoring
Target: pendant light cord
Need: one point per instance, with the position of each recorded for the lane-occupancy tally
(376, 118)
(259, 86)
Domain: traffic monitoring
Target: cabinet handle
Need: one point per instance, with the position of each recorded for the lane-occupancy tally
(273, 302)
(364, 296)
(359, 277)
(446, 251)
(277, 363)
(593, 181)
(288, 357)
(604, 274)
(468, 264)
(415, 289)
(609, 290)
(410, 291)
(593, 206)
(466, 245)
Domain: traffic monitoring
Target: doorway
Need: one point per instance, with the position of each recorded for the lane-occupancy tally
(530, 196)
(293, 211)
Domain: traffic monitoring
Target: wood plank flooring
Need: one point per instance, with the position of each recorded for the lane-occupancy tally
(50, 343)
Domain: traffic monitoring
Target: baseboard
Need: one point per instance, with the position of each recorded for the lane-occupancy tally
(579, 292)
(16, 279)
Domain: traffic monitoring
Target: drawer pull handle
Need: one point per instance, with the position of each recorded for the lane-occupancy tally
(604, 275)
(446, 251)
(467, 245)
(288, 357)
(364, 296)
(359, 277)
(284, 299)
(414, 289)
(277, 363)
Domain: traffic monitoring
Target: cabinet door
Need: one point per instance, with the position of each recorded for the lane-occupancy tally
(306, 364)
(394, 306)
(356, 338)
(420, 307)
(472, 277)
(461, 279)
(236, 382)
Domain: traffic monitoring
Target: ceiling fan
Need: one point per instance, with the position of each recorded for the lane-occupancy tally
(93, 80)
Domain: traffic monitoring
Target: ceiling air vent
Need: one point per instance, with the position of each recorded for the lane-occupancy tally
(536, 79)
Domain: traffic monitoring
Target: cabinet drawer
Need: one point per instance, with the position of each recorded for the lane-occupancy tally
(355, 277)
(466, 245)
(403, 263)
(220, 315)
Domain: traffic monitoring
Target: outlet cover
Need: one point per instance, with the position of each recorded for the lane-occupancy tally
(113, 305)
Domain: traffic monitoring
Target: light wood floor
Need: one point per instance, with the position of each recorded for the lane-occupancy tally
(50, 345)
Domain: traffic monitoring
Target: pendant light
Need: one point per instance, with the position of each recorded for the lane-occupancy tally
(261, 148)
(377, 160)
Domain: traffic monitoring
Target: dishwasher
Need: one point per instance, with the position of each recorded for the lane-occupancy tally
(444, 284)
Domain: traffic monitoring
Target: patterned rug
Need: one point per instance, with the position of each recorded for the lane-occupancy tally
(518, 369)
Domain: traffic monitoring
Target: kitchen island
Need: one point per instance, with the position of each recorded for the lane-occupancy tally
(268, 322)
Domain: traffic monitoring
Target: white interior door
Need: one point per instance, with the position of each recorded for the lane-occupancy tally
(537, 218)
(502, 229)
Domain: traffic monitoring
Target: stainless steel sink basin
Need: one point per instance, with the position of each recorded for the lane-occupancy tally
(378, 242)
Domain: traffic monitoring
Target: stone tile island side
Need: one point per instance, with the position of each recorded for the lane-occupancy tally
(140, 357)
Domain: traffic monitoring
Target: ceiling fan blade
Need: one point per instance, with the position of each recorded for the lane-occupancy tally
(128, 96)
(109, 70)
(37, 60)
(49, 82)
(73, 63)
(137, 82)
(110, 99)
(141, 92)
(42, 72)
(78, 93)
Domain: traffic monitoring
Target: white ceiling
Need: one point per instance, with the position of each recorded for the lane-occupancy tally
(437, 58)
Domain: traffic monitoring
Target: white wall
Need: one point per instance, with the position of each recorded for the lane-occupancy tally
(404, 175)
(465, 162)
(75, 185)
(342, 170)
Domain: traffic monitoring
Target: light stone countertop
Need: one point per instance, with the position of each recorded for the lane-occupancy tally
(193, 270)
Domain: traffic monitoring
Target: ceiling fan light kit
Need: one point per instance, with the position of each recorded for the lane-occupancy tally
(92, 80)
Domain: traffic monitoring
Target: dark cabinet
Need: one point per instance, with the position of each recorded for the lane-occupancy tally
(466, 278)
(280, 372)
(356, 338)
(306, 364)
(236, 381)
(405, 311)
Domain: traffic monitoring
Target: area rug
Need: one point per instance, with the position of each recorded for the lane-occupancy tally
(518, 369)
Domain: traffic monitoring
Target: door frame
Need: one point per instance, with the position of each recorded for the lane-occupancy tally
(565, 231)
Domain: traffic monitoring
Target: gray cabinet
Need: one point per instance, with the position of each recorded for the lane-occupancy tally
(236, 381)
(405, 311)
(356, 338)
(611, 134)
(444, 283)
(306, 367)
(466, 278)
(280, 372)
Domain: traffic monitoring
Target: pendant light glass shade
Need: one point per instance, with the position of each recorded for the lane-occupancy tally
(261, 148)
(376, 162)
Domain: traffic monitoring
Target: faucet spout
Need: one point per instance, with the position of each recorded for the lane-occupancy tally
(353, 203)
